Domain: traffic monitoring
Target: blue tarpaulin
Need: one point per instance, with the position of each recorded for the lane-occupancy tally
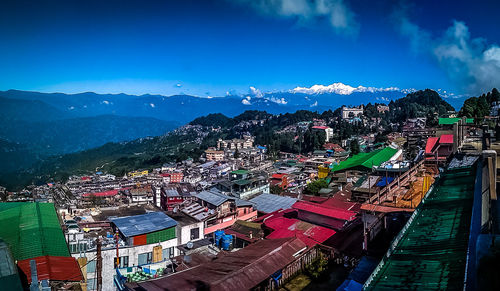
(384, 181)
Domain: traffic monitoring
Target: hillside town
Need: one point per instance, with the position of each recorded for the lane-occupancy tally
(239, 219)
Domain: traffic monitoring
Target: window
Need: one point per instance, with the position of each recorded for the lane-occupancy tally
(168, 253)
(195, 233)
(91, 267)
(123, 262)
(91, 284)
(145, 258)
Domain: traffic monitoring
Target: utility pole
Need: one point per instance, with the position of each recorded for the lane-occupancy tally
(99, 266)
(117, 250)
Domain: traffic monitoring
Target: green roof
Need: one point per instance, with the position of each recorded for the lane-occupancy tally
(431, 251)
(32, 230)
(449, 121)
(366, 160)
(242, 182)
(240, 172)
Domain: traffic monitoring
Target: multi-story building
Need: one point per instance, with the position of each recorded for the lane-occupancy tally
(219, 211)
(214, 155)
(174, 195)
(382, 108)
(350, 112)
(244, 184)
(328, 131)
(236, 143)
(146, 241)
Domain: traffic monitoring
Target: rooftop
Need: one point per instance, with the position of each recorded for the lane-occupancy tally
(240, 270)
(32, 230)
(367, 160)
(141, 224)
(325, 210)
(449, 121)
(268, 203)
(432, 248)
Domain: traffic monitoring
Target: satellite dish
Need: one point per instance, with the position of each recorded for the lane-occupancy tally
(189, 245)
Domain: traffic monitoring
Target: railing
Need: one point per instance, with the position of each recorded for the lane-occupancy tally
(396, 240)
(401, 179)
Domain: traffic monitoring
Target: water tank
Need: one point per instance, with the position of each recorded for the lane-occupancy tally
(218, 235)
(226, 242)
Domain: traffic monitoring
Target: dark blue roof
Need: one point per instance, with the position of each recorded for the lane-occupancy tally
(142, 224)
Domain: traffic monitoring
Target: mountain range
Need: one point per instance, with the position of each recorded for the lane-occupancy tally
(36, 125)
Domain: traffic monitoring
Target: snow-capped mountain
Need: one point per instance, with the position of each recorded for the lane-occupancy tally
(340, 88)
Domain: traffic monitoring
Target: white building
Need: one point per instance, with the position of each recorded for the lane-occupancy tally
(328, 131)
(349, 112)
(151, 246)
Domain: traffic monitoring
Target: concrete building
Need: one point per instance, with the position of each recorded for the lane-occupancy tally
(328, 131)
(214, 155)
(236, 143)
(350, 112)
(219, 211)
(148, 241)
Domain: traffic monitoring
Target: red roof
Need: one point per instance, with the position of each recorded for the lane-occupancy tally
(429, 146)
(320, 127)
(102, 194)
(325, 210)
(446, 138)
(84, 178)
(278, 176)
(335, 202)
(309, 234)
(53, 268)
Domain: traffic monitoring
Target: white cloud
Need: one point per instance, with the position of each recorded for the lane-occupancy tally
(470, 63)
(314, 104)
(245, 102)
(278, 100)
(309, 12)
(152, 105)
(106, 102)
(255, 92)
(178, 85)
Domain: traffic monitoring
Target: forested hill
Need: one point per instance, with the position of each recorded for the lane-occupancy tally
(190, 141)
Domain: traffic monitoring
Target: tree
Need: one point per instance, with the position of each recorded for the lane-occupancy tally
(236, 154)
(276, 189)
(314, 187)
(355, 147)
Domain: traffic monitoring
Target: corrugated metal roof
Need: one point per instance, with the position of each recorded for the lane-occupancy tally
(429, 146)
(53, 268)
(324, 210)
(141, 224)
(431, 252)
(32, 230)
(268, 203)
(449, 121)
(367, 160)
(102, 194)
(240, 270)
(308, 233)
(212, 198)
(446, 138)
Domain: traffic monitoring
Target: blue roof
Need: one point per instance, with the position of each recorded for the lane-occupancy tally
(212, 198)
(268, 203)
(144, 223)
(384, 181)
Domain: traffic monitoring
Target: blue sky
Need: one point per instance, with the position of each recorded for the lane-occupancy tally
(214, 46)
